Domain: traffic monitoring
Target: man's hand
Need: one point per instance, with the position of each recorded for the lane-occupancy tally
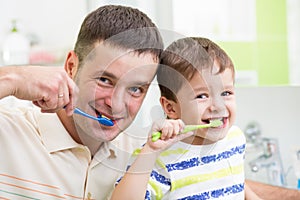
(49, 88)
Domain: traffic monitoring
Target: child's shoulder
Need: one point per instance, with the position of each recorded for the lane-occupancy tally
(235, 131)
(235, 136)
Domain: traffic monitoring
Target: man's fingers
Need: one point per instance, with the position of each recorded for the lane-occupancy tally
(73, 95)
(61, 93)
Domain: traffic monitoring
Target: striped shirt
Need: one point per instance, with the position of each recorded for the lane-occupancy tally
(214, 171)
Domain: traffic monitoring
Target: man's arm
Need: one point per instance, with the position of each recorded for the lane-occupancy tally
(6, 81)
(50, 88)
(269, 192)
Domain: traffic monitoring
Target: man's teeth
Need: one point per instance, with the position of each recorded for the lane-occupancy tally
(103, 116)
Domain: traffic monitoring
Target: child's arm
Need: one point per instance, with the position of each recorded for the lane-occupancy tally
(134, 183)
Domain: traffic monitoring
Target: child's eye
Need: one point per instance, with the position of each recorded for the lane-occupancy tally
(226, 93)
(202, 96)
(135, 91)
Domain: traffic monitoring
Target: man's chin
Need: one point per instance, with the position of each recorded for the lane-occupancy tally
(111, 135)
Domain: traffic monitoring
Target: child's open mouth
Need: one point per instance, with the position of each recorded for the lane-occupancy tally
(212, 120)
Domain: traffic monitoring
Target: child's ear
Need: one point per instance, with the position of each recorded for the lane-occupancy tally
(170, 107)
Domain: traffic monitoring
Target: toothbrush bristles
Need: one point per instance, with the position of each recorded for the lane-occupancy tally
(216, 123)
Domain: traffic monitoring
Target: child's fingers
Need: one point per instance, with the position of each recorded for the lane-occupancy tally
(177, 128)
(181, 125)
(171, 129)
(166, 132)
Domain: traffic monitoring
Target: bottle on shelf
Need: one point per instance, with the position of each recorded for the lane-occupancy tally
(16, 47)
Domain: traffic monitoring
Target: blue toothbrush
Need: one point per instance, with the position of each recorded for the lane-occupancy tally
(102, 120)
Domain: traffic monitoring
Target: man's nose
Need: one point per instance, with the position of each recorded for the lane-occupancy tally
(107, 96)
(116, 101)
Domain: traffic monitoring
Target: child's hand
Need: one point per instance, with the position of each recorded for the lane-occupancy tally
(170, 133)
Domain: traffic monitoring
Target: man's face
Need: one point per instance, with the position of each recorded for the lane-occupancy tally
(113, 83)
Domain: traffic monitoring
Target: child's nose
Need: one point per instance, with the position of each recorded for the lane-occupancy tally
(217, 104)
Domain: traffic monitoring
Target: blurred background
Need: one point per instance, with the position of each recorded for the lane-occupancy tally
(261, 37)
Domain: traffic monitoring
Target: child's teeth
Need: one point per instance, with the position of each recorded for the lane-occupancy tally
(212, 120)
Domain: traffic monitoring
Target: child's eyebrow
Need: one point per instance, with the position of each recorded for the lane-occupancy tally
(230, 86)
(200, 88)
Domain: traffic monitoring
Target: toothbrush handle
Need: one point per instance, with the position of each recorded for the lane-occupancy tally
(101, 120)
(78, 111)
(156, 135)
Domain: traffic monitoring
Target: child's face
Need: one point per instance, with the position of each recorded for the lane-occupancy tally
(206, 97)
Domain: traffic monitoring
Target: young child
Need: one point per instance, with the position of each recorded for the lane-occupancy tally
(196, 80)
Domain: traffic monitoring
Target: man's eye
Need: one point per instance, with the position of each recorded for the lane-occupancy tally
(103, 80)
(135, 91)
(202, 96)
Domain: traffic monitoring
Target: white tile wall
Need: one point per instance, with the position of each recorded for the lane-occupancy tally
(277, 110)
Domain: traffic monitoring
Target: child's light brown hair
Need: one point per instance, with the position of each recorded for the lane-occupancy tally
(186, 57)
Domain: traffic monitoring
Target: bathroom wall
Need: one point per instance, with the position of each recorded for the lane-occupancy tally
(277, 111)
(52, 25)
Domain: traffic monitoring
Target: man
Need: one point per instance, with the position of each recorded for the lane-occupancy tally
(68, 156)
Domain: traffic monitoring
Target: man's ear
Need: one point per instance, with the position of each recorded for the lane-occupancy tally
(171, 108)
(71, 64)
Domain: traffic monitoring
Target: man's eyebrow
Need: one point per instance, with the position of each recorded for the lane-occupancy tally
(111, 75)
(141, 83)
(106, 73)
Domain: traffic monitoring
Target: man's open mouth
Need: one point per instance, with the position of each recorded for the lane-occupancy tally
(98, 114)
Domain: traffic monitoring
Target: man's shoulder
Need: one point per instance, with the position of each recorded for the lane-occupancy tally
(17, 115)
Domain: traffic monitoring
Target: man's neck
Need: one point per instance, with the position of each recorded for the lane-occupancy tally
(71, 128)
(91, 143)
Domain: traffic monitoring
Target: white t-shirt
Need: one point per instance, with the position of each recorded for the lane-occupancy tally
(214, 171)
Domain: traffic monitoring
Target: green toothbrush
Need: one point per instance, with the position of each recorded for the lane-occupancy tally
(188, 128)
